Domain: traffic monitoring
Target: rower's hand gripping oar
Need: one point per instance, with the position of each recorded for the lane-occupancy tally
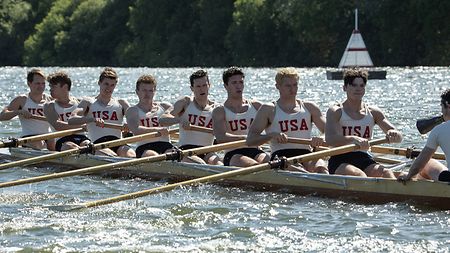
(175, 155)
(82, 150)
(426, 125)
(229, 174)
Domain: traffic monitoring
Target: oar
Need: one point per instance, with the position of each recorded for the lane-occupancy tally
(325, 147)
(47, 136)
(220, 176)
(426, 125)
(176, 155)
(82, 150)
(406, 152)
(106, 125)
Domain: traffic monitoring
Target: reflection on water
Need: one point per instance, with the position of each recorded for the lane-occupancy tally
(214, 218)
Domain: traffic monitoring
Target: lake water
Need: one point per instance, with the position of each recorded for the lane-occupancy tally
(212, 218)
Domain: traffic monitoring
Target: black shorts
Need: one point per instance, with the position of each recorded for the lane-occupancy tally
(109, 138)
(158, 146)
(75, 138)
(250, 152)
(289, 152)
(359, 159)
(190, 146)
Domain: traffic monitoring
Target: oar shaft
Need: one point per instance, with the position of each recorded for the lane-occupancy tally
(228, 174)
(122, 164)
(408, 153)
(41, 137)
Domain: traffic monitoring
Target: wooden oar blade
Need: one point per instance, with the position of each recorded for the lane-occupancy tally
(426, 125)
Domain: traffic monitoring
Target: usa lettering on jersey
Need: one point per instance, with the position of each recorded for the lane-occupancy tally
(105, 115)
(197, 120)
(150, 122)
(293, 125)
(36, 111)
(356, 130)
(64, 116)
(241, 124)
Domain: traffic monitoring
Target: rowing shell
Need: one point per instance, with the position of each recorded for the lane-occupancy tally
(365, 190)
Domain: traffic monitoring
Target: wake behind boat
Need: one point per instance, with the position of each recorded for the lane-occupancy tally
(365, 190)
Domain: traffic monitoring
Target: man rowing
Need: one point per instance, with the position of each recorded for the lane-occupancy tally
(194, 110)
(288, 117)
(104, 108)
(28, 105)
(59, 110)
(352, 122)
(144, 118)
(232, 121)
(429, 168)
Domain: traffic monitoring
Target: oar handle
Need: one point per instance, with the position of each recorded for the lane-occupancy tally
(107, 125)
(21, 141)
(406, 152)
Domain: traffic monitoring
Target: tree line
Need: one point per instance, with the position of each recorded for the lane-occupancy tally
(173, 33)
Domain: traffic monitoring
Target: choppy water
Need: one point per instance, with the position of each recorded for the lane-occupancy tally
(214, 218)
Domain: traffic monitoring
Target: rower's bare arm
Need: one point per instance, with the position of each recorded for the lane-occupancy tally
(220, 129)
(14, 108)
(172, 116)
(393, 135)
(316, 116)
(262, 120)
(80, 115)
(418, 164)
(52, 117)
(125, 105)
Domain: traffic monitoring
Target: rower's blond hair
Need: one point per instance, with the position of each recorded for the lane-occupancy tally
(284, 73)
(145, 79)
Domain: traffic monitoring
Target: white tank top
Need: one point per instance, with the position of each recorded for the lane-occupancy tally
(64, 113)
(361, 128)
(111, 113)
(151, 119)
(197, 117)
(296, 125)
(239, 123)
(33, 126)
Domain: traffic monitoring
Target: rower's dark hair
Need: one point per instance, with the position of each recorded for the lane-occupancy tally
(231, 71)
(61, 78)
(108, 73)
(145, 79)
(445, 97)
(32, 72)
(198, 74)
(351, 74)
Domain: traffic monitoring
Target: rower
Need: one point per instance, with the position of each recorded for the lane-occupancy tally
(32, 104)
(59, 110)
(352, 122)
(104, 108)
(144, 118)
(194, 110)
(232, 121)
(289, 117)
(424, 166)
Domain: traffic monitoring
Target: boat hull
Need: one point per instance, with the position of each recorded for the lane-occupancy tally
(365, 190)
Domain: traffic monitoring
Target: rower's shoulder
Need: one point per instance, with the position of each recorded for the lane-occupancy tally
(335, 107)
(165, 105)
(256, 103)
(310, 105)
